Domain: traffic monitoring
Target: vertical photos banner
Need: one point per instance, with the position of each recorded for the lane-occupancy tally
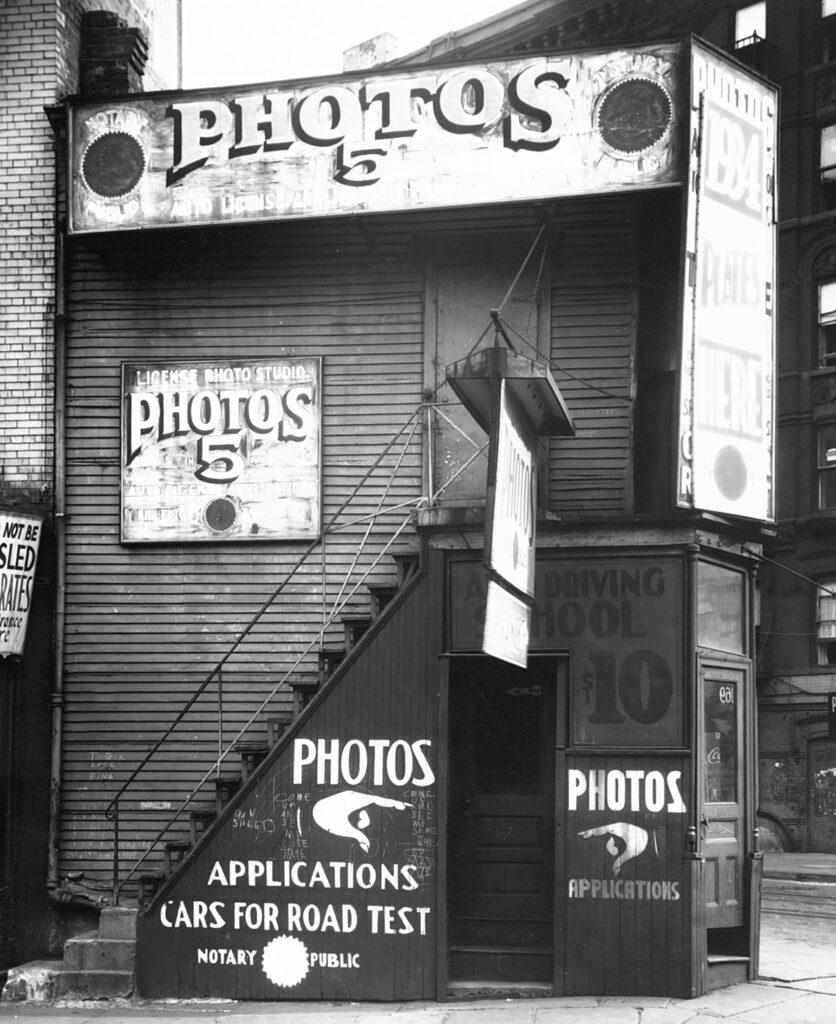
(726, 410)
(20, 536)
(221, 451)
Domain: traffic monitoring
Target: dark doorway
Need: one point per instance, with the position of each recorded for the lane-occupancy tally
(501, 821)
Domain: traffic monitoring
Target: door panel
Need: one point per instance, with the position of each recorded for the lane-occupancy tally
(723, 693)
(501, 834)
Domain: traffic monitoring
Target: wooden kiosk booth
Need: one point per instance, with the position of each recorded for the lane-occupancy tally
(535, 770)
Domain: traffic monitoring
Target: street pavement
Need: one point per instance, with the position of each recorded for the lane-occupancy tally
(797, 983)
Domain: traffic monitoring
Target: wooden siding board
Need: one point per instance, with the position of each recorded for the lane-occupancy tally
(146, 624)
(593, 325)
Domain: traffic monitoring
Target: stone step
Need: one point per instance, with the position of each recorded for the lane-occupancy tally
(94, 984)
(117, 923)
(97, 954)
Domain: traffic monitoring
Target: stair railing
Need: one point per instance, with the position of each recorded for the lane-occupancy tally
(215, 767)
(111, 812)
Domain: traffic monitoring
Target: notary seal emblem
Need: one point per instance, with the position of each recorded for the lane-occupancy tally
(113, 164)
(220, 515)
(285, 961)
(633, 115)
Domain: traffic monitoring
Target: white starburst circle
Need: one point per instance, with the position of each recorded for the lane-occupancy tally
(285, 961)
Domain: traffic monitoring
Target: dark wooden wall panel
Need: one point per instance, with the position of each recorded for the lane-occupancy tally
(388, 692)
(627, 908)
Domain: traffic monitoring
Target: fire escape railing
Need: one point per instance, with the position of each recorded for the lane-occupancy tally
(404, 437)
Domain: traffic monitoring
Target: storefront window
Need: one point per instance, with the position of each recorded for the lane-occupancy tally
(720, 741)
(720, 608)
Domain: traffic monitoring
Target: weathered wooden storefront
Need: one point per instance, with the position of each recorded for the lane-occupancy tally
(276, 516)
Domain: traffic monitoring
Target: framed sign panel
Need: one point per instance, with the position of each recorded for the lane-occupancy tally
(727, 393)
(221, 451)
(529, 128)
(20, 537)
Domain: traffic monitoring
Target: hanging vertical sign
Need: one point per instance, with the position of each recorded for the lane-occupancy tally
(510, 529)
(512, 495)
(20, 537)
(726, 397)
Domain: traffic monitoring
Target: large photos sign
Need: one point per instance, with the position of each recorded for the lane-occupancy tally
(221, 451)
(726, 399)
(524, 129)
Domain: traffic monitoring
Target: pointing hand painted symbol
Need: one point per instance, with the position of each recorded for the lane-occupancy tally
(625, 841)
(333, 813)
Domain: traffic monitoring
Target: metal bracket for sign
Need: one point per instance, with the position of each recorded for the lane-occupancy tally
(497, 322)
(529, 380)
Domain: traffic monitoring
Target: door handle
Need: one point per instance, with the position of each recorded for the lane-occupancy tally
(703, 825)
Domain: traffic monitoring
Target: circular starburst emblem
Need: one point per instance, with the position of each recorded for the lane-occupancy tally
(285, 961)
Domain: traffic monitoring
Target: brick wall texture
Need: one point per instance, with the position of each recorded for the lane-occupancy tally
(39, 46)
(28, 81)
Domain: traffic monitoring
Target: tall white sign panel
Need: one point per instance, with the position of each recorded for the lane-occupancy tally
(510, 530)
(726, 396)
(512, 497)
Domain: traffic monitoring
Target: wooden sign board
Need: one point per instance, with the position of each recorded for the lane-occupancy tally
(20, 537)
(727, 375)
(499, 131)
(221, 451)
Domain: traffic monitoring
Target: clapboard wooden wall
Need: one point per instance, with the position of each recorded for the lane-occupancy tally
(594, 311)
(147, 623)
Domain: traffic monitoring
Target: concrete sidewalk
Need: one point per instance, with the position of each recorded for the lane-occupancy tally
(797, 986)
(758, 1003)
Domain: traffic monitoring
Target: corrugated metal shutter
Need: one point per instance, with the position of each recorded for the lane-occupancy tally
(146, 624)
(593, 318)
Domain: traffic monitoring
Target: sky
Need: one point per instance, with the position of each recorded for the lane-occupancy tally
(231, 42)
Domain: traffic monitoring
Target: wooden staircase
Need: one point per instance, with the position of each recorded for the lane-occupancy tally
(101, 964)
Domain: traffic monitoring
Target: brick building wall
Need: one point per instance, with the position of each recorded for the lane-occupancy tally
(27, 82)
(39, 48)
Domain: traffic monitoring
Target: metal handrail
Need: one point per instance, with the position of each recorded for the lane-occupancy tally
(118, 886)
(112, 810)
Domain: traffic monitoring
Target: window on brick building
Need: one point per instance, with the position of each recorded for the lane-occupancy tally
(827, 323)
(827, 165)
(750, 24)
(828, 29)
(826, 623)
(750, 45)
(826, 467)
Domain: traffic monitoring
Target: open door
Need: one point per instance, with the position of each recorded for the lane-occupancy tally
(501, 852)
(722, 699)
